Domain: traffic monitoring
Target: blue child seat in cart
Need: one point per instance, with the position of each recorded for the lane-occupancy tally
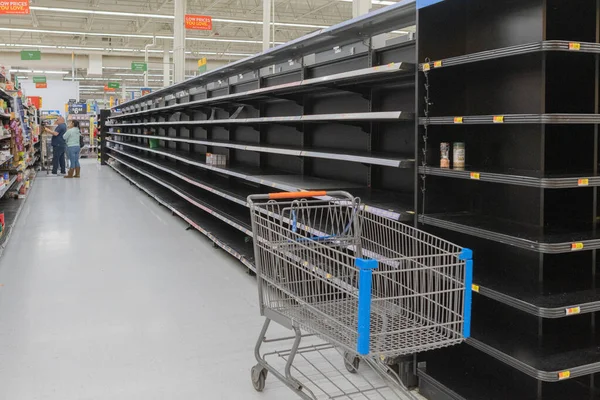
(367, 285)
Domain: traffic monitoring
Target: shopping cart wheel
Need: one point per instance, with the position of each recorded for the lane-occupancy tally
(259, 376)
(351, 362)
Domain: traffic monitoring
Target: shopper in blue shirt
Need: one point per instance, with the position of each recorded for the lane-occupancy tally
(58, 146)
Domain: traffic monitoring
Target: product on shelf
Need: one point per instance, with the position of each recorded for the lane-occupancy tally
(218, 160)
(444, 155)
(458, 155)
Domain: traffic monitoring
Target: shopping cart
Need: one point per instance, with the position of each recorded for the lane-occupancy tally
(368, 287)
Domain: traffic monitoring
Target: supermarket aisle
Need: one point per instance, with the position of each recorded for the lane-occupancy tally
(105, 295)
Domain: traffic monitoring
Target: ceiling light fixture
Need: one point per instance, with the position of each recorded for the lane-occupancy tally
(378, 2)
(28, 71)
(129, 35)
(110, 49)
(171, 17)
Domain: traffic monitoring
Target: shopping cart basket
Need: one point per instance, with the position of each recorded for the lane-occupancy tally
(367, 286)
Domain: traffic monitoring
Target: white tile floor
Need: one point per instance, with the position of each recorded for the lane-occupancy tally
(105, 296)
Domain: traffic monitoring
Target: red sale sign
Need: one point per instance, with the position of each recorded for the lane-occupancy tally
(14, 6)
(198, 22)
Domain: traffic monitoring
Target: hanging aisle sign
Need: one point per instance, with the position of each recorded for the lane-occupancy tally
(139, 66)
(39, 79)
(30, 54)
(198, 22)
(42, 85)
(202, 67)
(14, 7)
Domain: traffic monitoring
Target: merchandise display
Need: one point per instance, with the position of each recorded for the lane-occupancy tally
(19, 154)
(521, 111)
(213, 140)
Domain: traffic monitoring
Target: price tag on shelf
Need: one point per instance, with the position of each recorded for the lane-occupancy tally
(575, 46)
(576, 246)
(573, 311)
(583, 182)
(437, 64)
(564, 375)
(475, 288)
(498, 119)
(458, 120)
(475, 175)
(426, 67)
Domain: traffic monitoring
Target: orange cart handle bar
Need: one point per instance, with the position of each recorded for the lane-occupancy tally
(299, 195)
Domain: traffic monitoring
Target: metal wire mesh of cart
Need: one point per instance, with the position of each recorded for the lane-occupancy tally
(363, 283)
(317, 365)
(421, 288)
(309, 254)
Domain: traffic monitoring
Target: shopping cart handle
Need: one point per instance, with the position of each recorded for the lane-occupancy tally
(296, 195)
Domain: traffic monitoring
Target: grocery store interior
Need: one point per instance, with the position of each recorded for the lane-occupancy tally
(299, 199)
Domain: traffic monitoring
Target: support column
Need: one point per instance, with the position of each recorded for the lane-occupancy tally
(179, 43)
(166, 66)
(360, 7)
(266, 24)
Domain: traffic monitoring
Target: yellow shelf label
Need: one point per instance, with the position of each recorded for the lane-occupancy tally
(576, 246)
(499, 119)
(458, 120)
(583, 182)
(573, 310)
(437, 64)
(426, 67)
(475, 175)
(475, 288)
(564, 375)
(575, 46)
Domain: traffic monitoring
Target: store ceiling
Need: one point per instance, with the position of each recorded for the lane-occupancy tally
(122, 28)
(121, 25)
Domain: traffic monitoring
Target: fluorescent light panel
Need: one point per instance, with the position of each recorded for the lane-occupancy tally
(28, 71)
(171, 17)
(109, 49)
(129, 35)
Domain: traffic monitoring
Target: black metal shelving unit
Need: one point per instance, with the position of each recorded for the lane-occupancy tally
(332, 110)
(517, 82)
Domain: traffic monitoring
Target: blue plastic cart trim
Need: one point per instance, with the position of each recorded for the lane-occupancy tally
(365, 283)
(466, 254)
(426, 3)
(468, 298)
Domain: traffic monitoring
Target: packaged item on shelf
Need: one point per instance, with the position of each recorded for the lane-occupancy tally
(444, 155)
(217, 160)
(2, 224)
(458, 155)
(6, 176)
